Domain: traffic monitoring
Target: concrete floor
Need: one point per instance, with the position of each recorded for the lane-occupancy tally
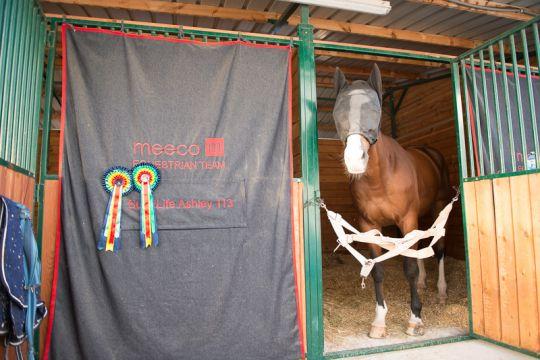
(463, 350)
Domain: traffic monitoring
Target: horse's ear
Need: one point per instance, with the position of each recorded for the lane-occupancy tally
(375, 81)
(340, 81)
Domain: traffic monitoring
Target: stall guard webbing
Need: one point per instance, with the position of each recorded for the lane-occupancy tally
(215, 119)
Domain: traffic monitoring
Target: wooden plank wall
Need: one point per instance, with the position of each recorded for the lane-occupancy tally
(503, 233)
(426, 117)
(334, 189)
(50, 225)
(17, 187)
(298, 238)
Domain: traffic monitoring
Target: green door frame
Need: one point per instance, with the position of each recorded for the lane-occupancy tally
(310, 176)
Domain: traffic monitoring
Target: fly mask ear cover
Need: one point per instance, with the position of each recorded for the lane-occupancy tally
(358, 106)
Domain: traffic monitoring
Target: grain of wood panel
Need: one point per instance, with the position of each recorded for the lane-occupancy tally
(507, 261)
(534, 185)
(525, 264)
(488, 258)
(17, 187)
(50, 222)
(475, 267)
(298, 212)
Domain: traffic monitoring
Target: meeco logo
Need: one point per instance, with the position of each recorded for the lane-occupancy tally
(143, 149)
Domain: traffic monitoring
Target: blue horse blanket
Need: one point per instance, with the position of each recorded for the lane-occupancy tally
(21, 309)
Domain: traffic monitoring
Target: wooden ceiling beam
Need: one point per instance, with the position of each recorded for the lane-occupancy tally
(178, 8)
(175, 8)
(385, 59)
(502, 14)
(365, 72)
(388, 33)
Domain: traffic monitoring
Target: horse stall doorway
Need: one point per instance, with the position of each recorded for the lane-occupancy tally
(417, 111)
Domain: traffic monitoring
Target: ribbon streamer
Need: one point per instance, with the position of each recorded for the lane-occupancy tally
(146, 178)
(117, 182)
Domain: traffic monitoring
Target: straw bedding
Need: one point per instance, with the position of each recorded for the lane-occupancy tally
(349, 310)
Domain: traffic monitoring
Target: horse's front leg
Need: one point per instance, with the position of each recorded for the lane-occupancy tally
(410, 268)
(378, 326)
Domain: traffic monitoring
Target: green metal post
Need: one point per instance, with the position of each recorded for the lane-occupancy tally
(458, 111)
(15, 63)
(34, 107)
(486, 112)
(536, 44)
(479, 137)
(49, 82)
(468, 117)
(497, 108)
(5, 68)
(2, 15)
(39, 83)
(18, 147)
(28, 92)
(531, 97)
(508, 108)
(49, 39)
(462, 170)
(310, 177)
(4, 43)
(515, 69)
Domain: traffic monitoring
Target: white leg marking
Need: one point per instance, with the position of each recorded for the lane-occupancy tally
(421, 284)
(415, 320)
(378, 326)
(415, 326)
(380, 315)
(441, 283)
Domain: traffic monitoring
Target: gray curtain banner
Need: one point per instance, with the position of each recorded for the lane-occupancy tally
(215, 120)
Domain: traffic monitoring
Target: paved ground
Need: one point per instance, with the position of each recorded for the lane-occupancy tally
(464, 350)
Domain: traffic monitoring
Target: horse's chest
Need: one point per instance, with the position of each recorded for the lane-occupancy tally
(378, 212)
(382, 209)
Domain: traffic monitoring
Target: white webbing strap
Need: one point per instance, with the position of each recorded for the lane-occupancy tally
(395, 246)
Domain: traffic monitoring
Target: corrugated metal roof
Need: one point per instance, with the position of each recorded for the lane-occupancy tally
(404, 15)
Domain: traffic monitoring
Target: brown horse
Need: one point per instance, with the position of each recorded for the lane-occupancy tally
(389, 185)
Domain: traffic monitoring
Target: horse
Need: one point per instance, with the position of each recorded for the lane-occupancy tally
(390, 185)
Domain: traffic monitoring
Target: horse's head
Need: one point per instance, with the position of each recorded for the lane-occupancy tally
(357, 114)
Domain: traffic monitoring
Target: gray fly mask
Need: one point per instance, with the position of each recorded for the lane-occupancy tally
(358, 106)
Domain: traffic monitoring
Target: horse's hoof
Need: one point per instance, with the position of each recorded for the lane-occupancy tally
(377, 332)
(415, 329)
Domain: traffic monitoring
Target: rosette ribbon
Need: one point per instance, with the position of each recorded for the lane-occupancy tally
(146, 178)
(117, 182)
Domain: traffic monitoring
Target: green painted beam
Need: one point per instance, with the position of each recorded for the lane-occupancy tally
(179, 31)
(462, 171)
(502, 175)
(310, 177)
